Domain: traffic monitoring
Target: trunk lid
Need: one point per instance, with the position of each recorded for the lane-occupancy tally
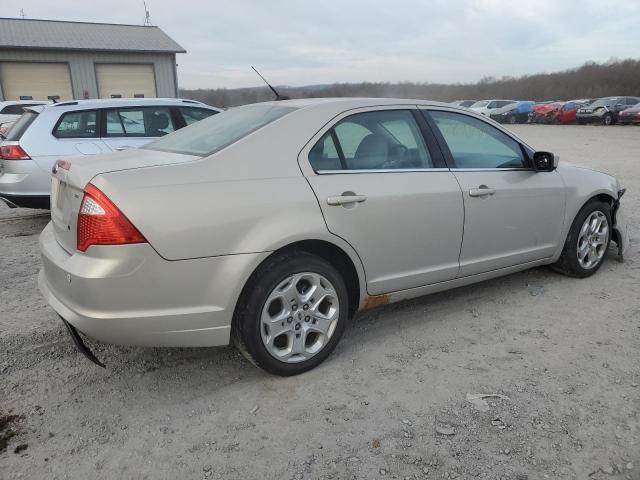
(67, 184)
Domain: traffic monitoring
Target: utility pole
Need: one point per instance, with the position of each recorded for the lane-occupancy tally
(147, 16)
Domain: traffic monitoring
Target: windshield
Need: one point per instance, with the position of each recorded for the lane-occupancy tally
(17, 129)
(605, 102)
(480, 104)
(214, 133)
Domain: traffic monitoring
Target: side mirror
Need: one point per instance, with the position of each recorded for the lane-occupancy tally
(545, 161)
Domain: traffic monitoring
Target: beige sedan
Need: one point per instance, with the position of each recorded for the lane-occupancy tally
(270, 225)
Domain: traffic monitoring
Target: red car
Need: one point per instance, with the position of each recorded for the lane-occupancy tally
(565, 113)
(630, 115)
(557, 112)
(542, 111)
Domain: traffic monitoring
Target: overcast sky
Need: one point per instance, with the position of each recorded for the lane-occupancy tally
(312, 42)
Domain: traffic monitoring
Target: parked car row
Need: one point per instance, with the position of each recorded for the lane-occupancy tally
(45, 133)
(624, 110)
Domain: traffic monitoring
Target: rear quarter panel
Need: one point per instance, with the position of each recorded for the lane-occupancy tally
(249, 197)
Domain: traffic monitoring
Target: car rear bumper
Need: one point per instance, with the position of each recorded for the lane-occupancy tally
(24, 178)
(633, 119)
(129, 295)
(25, 201)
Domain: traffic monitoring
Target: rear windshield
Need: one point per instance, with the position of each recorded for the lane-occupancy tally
(214, 133)
(17, 129)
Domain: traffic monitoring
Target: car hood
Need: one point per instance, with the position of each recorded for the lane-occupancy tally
(505, 109)
(568, 166)
(85, 168)
(546, 108)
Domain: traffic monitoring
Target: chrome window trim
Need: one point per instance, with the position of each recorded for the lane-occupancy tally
(514, 169)
(381, 170)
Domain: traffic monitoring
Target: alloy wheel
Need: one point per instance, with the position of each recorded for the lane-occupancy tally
(593, 240)
(299, 317)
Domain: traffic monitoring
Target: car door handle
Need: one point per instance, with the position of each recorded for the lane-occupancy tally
(122, 149)
(481, 191)
(345, 199)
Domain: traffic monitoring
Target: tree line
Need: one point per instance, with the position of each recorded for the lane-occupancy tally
(591, 80)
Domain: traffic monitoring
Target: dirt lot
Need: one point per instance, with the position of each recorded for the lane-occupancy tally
(391, 402)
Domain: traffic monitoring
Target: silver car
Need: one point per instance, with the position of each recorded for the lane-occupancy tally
(46, 133)
(270, 225)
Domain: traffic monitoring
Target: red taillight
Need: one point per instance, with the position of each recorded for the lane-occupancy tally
(13, 152)
(100, 222)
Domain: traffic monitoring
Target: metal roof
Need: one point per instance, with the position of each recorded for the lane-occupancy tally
(59, 35)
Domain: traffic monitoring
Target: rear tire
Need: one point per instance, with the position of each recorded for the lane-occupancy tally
(291, 314)
(608, 119)
(585, 247)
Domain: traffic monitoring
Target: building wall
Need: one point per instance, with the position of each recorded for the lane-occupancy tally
(82, 67)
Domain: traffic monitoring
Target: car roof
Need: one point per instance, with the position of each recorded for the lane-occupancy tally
(23, 102)
(353, 102)
(124, 102)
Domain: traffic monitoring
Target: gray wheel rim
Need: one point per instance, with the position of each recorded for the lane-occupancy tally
(593, 240)
(299, 317)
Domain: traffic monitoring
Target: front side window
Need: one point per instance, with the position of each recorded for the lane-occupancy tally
(380, 140)
(480, 104)
(77, 125)
(476, 144)
(193, 115)
(219, 131)
(139, 122)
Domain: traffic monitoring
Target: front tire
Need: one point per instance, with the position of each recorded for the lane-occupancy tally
(587, 241)
(608, 119)
(291, 314)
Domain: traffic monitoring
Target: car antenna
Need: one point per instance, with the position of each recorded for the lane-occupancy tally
(275, 92)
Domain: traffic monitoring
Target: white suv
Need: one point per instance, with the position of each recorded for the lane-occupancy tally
(46, 133)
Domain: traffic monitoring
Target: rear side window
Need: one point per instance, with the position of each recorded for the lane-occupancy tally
(380, 140)
(219, 131)
(77, 125)
(324, 155)
(476, 144)
(139, 122)
(193, 115)
(20, 126)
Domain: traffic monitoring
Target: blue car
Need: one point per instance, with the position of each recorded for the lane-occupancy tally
(516, 112)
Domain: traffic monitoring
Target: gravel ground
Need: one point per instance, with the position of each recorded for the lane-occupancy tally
(391, 402)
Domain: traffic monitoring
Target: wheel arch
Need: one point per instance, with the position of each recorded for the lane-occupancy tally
(603, 196)
(349, 267)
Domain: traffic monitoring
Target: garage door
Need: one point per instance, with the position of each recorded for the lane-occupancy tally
(36, 81)
(125, 81)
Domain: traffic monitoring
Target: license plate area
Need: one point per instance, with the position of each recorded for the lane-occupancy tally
(58, 193)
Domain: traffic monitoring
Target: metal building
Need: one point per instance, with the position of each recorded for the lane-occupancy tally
(45, 59)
